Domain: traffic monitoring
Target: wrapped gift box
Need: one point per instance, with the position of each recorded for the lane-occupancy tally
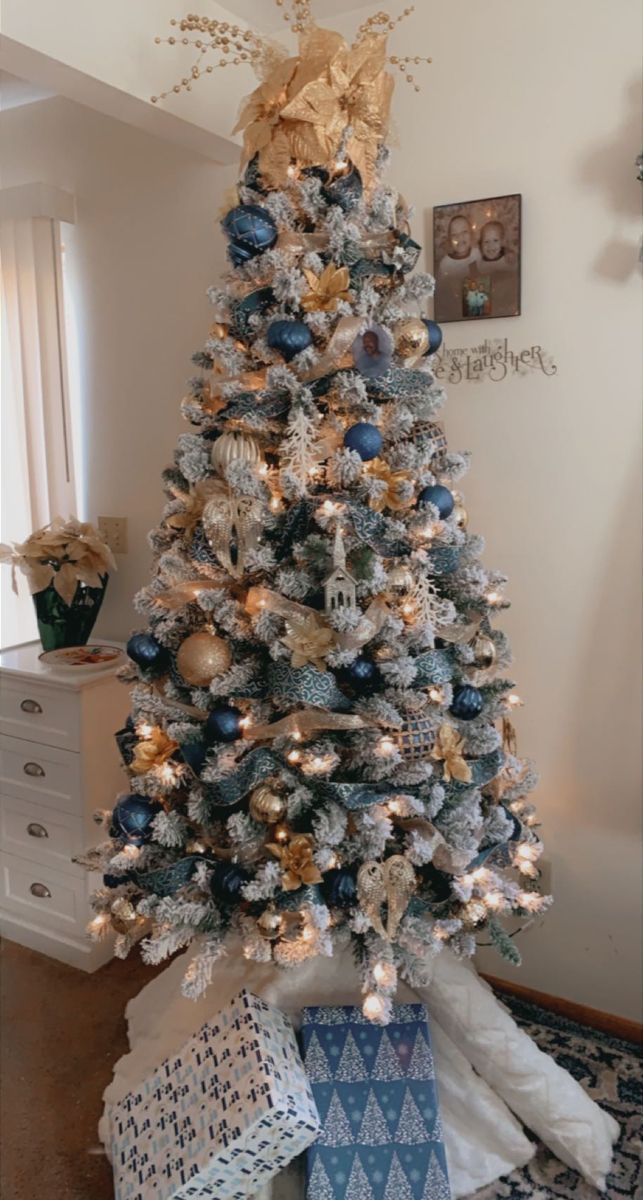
(375, 1089)
(219, 1118)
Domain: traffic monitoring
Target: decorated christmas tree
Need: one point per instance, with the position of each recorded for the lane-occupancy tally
(320, 747)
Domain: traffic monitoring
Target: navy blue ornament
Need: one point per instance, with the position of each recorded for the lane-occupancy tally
(340, 887)
(316, 173)
(223, 724)
(193, 754)
(251, 227)
(114, 881)
(435, 336)
(440, 497)
(289, 338)
(132, 819)
(363, 674)
(147, 652)
(251, 305)
(344, 190)
(227, 880)
(365, 439)
(239, 255)
(252, 176)
(467, 702)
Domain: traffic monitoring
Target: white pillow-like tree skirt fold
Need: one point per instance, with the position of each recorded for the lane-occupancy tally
(485, 1065)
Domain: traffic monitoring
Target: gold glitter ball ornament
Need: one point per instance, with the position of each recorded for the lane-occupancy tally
(201, 657)
(267, 806)
(484, 652)
(411, 338)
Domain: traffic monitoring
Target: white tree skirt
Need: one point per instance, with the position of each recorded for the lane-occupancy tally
(485, 1065)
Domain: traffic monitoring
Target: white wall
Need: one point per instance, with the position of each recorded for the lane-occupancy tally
(143, 251)
(539, 99)
(543, 99)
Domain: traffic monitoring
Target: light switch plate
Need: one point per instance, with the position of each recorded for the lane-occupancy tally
(113, 530)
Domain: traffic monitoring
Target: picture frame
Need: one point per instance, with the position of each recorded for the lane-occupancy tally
(477, 258)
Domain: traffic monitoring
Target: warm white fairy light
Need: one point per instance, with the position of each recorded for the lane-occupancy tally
(275, 504)
(436, 695)
(494, 598)
(132, 852)
(386, 746)
(532, 902)
(308, 933)
(384, 974)
(98, 925)
(167, 773)
(525, 858)
(495, 901)
(318, 764)
(514, 701)
(294, 756)
(245, 722)
(263, 469)
(296, 735)
(144, 729)
(374, 1007)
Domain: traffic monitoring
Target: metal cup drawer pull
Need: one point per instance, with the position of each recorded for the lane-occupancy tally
(30, 706)
(34, 829)
(41, 891)
(35, 769)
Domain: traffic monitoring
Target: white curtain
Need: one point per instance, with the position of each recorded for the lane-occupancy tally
(37, 467)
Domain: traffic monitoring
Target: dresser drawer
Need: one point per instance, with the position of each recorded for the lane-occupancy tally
(40, 774)
(42, 834)
(40, 712)
(43, 896)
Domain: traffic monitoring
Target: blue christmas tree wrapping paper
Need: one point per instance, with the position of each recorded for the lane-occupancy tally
(219, 1118)
(375, 1090)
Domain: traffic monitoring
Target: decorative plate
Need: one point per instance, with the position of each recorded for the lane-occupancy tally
(94, 657)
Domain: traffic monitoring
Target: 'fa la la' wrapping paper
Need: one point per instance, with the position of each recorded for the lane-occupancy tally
(375, 1089)
(219, 1118)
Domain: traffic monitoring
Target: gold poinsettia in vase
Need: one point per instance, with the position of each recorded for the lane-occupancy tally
(66, 565)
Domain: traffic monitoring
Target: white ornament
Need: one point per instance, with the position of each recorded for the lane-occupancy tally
(339, 587)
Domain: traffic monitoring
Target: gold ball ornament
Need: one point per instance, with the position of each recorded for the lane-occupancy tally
(202, 656)
(411, 338)
(270, 925)
(484, 652)
(235, 447)
(267, 806)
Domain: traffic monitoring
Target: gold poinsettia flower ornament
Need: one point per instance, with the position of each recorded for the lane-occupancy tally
(326, 290)
(449, 749)
(309, 641)
(152, 751)
(392, 495)
(331, 97)
(296, 861)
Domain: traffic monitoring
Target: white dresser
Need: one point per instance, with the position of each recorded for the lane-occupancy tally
(58, 764)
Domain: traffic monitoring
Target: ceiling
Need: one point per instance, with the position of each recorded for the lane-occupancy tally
(264, 14)
(14, 91)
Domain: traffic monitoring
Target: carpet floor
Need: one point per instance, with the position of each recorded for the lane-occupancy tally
(62, 1031)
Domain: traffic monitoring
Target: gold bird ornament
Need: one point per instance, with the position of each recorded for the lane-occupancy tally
(392, 883)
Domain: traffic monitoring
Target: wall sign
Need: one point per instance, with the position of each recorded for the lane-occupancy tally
(493, 360)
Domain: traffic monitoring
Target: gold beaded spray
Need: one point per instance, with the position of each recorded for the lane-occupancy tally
(330, 100)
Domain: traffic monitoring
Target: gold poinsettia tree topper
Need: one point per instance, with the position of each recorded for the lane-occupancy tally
(330, 101)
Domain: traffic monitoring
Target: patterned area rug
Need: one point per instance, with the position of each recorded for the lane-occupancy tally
(611, 1071)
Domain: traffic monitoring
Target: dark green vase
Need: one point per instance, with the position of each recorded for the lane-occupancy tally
(61, 624)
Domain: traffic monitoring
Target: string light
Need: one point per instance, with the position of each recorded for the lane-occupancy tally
(526, 857)
(131, 851)
(374, 1007)
(493, 599)
(436, 695)
(386, 746)
(144, 729)
(495, 901)
(384, 974)
(294, 755)
(99, 925)
(514, 701)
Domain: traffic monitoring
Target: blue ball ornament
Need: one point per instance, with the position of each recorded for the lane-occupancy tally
(435, 336)
(340, 887)
(440, 497)
(223, 724)
(193, 753)
(114, 881)
(251, 227)
(289, 338)
(132, 819)
(147, 652)
(467, 703)
(227, 880)
(363, 674)
(365, 439)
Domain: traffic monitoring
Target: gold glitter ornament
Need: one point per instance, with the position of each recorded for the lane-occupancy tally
(411, 338)
(267, 806)
(400, 885)
(201, 657)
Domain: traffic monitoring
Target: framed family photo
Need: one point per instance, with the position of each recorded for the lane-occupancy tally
(476, 259)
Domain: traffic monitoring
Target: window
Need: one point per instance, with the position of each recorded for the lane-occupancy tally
(36, 450)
